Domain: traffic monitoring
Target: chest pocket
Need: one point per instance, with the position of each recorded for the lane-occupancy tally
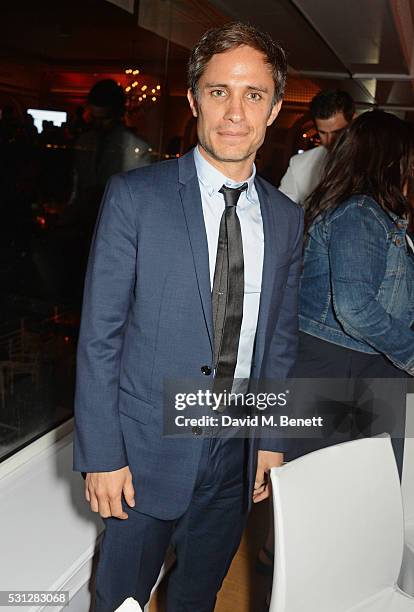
(396, 290)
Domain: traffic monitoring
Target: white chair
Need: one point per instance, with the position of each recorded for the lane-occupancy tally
(406, 579)
(129, 605)
(339, 531)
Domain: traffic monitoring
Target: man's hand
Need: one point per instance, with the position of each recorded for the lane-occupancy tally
(265, 461)
(103, 490)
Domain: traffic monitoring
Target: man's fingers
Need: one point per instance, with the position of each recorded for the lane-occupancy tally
(104, 492)
(261, 496)
(104, 508)
(94, 503)
(258, 490)
(117, 510)
(129, 493)
(261, 488)
(260, 479)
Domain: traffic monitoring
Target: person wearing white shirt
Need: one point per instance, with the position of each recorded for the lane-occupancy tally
(332, 111)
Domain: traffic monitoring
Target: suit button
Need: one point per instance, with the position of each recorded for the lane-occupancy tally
(197, 431)
(206, 370)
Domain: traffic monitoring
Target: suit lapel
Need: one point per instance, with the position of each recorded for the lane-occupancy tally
(189, 191)
(269, 266)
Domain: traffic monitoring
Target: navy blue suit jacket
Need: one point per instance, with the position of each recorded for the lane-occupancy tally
(147, 316)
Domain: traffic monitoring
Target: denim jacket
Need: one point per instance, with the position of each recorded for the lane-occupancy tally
(357, 285)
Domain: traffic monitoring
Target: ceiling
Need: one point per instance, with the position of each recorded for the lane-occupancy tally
(363, 46)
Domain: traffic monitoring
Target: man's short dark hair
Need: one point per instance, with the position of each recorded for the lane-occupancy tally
(230, 36)
(108, 94)
(330, 102)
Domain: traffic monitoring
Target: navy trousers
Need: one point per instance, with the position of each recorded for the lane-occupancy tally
(205, 538)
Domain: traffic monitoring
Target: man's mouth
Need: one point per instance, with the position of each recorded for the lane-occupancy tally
(232, 134)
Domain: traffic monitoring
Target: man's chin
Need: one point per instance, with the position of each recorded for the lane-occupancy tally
(228, 154)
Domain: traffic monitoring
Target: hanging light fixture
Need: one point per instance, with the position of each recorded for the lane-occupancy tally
(136, 89)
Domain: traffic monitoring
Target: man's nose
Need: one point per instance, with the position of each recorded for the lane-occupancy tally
(330, 139)
(234, 109)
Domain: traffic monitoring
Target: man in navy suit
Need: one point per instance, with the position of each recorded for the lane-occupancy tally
(153, 310)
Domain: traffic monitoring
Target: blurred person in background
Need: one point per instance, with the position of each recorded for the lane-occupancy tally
(9, 125)
(332, 111)
(78, 125)
(107, 148)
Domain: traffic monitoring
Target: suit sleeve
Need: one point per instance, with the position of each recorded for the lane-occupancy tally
(283, 348)
(110, 279)
(288, 184)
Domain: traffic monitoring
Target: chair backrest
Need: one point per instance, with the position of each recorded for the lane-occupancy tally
(408, 470)
(129, 605)
(338, 527)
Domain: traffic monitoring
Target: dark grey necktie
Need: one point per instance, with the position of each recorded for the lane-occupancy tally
(228, 287)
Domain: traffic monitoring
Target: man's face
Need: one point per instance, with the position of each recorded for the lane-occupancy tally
(330, 129)
(102, 117)
(234, 105)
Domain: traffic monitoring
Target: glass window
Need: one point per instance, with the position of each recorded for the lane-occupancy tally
(88, 88)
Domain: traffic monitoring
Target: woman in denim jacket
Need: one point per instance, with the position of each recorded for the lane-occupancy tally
(356, 308)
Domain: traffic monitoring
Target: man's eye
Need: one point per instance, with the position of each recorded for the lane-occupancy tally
(218, 93)
(255, 96)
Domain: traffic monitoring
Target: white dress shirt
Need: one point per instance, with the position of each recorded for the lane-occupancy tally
(251, 225)
(303, 174)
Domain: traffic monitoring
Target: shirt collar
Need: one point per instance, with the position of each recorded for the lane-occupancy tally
(213, 180)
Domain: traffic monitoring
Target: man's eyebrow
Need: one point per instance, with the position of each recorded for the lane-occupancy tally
(215, 85)
(260, 88)
(332, 131)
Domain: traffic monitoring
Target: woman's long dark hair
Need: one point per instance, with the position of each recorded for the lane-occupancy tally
(375, 157)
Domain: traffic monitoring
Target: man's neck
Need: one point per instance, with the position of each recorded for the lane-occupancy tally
(237, 171)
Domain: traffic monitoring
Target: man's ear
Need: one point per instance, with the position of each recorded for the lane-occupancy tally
(192, 101)
(274, 112)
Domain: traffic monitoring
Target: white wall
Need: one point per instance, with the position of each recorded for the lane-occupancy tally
(47, 532)
(408, 471)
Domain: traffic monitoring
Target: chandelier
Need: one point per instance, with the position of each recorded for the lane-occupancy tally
(140, 90)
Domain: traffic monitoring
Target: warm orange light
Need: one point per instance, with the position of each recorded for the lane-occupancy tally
(135, 72)
(144, 95)
(304, 135)
(144, 87)
(135, 83)
(158, 86)
(127, 89)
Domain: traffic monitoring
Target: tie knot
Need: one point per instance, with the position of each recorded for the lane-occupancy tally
(232, 194)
